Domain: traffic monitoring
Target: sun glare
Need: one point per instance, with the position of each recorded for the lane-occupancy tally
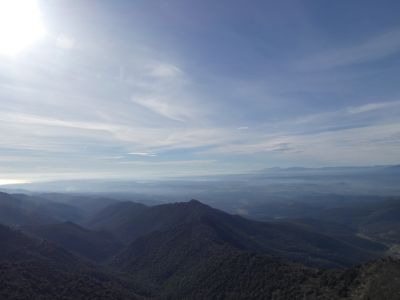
(13, 181)
(20, 25)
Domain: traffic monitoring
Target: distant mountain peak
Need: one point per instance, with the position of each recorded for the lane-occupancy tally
(195, 202)
(196, 205)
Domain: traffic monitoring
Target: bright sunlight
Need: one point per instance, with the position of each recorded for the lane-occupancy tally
(20, 25)
(12, 181)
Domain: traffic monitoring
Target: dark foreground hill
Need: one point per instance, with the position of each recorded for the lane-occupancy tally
(186, 263)
(36, 269)
(189, 251)
(94, 245)
(20, 209)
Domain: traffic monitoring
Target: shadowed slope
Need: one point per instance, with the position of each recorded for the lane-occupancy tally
(36, 269)
(94, 245)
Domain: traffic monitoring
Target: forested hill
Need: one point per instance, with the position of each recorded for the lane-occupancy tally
(185, 250)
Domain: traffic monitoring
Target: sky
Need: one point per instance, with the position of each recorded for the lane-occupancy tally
(149, 89)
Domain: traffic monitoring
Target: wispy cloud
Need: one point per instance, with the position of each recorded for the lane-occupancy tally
(285, 138)
(376, 47)
(372, 106)
(30, 119)
(151, 154)
(164, 70)
(165, 108)
(347, 146)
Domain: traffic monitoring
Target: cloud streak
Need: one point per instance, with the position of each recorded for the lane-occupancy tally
(151, 154)
(373, 106)
(372, 49)
(137, 99)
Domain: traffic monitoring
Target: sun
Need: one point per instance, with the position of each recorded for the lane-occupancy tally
(20, 25)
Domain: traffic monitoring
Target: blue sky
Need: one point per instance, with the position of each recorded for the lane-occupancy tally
(148, 89)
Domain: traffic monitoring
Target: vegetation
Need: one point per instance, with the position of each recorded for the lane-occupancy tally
(186, 251)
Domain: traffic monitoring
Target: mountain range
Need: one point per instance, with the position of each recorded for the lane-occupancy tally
(185, 250)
